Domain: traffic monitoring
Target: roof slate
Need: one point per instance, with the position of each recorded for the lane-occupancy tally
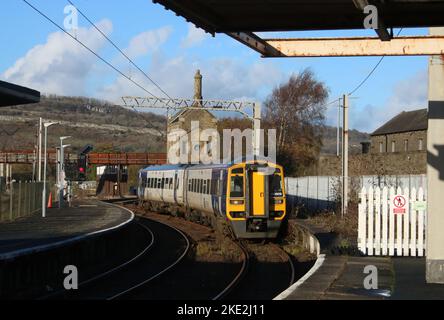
(406, 121)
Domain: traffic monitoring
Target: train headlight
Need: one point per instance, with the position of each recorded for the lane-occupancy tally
(237, 214)
(278, 201)
(237, 202)
(276, 214)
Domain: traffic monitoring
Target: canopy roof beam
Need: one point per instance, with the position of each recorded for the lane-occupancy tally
(360, 46)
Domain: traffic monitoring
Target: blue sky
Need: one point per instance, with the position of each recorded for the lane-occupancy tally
(170, 50)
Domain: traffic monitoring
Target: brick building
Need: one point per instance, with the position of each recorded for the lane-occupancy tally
(182, 120)
(406, 132)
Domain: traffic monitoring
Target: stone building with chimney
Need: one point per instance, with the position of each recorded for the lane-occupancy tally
(182, 121)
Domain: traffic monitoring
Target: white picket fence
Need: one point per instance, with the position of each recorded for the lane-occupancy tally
(382, 232)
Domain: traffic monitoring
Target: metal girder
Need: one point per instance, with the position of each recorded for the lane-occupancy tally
(254, 42)
(191, 104)
(346, 47)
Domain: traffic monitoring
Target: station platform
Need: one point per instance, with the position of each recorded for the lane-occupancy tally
(342, 277)
(60, 227)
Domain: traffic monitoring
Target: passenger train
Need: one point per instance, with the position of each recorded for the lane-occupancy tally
(249, 195)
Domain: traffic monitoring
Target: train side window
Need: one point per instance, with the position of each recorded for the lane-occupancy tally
(237, 187)
(208, 186)
(147, 183)
(204, 186)
(189, 184)
(201, 186)
(193, 185)
(171, 183)
(159, 183)
(177, 183)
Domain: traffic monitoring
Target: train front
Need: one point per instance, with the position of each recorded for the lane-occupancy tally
(255, 203)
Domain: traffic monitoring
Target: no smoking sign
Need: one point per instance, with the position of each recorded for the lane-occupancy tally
(399, 203)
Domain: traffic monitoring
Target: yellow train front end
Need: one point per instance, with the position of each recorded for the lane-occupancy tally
(255, 199)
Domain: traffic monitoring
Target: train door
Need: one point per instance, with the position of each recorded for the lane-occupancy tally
(258, 192)
(179, 187)
(175, 186)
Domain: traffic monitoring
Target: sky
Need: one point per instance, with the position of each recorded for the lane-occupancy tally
(37, 54)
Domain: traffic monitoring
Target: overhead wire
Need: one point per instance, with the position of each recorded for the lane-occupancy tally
(120, 50)
(97, 56)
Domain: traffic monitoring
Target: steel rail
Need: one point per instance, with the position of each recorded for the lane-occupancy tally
(238, 278)
(112, 270)
(176, 262)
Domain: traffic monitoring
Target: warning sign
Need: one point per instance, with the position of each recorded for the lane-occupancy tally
(399, 203)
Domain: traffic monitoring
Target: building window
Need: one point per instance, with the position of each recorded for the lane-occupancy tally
(406, 145)
(420, 144)
(393, 146)
(381, 147)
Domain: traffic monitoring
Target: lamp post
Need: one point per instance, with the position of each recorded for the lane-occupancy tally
(61, 177)
(46, 125)
(39, 177)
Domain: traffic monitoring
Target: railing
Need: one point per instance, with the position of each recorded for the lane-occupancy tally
(19, 199)
(29, 156)
(127, 158)
(392, 222)
(318, 193)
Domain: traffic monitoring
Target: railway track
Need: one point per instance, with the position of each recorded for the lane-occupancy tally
(260, 277)
(166, 248)
(241, 284)
(254, 277)
(239, 276)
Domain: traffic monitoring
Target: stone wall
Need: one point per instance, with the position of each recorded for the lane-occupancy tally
(399, 140)
(396, 163)
(183, 122)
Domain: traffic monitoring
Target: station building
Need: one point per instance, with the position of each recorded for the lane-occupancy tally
(182, 121)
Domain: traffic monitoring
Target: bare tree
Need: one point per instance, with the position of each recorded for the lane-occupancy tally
(296, 110)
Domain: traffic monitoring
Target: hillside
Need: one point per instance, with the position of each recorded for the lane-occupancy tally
(355, 139)
(88, 121)
(106, 126)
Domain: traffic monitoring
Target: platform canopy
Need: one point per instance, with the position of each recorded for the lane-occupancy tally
(12, 94)
(242, 19)
(293, 15)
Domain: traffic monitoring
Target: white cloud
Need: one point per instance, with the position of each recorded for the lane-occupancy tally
(148, 42)
(229, 79)
(194, 36)
(60, 65)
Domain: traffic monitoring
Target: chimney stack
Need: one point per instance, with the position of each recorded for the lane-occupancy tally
(198, 87)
